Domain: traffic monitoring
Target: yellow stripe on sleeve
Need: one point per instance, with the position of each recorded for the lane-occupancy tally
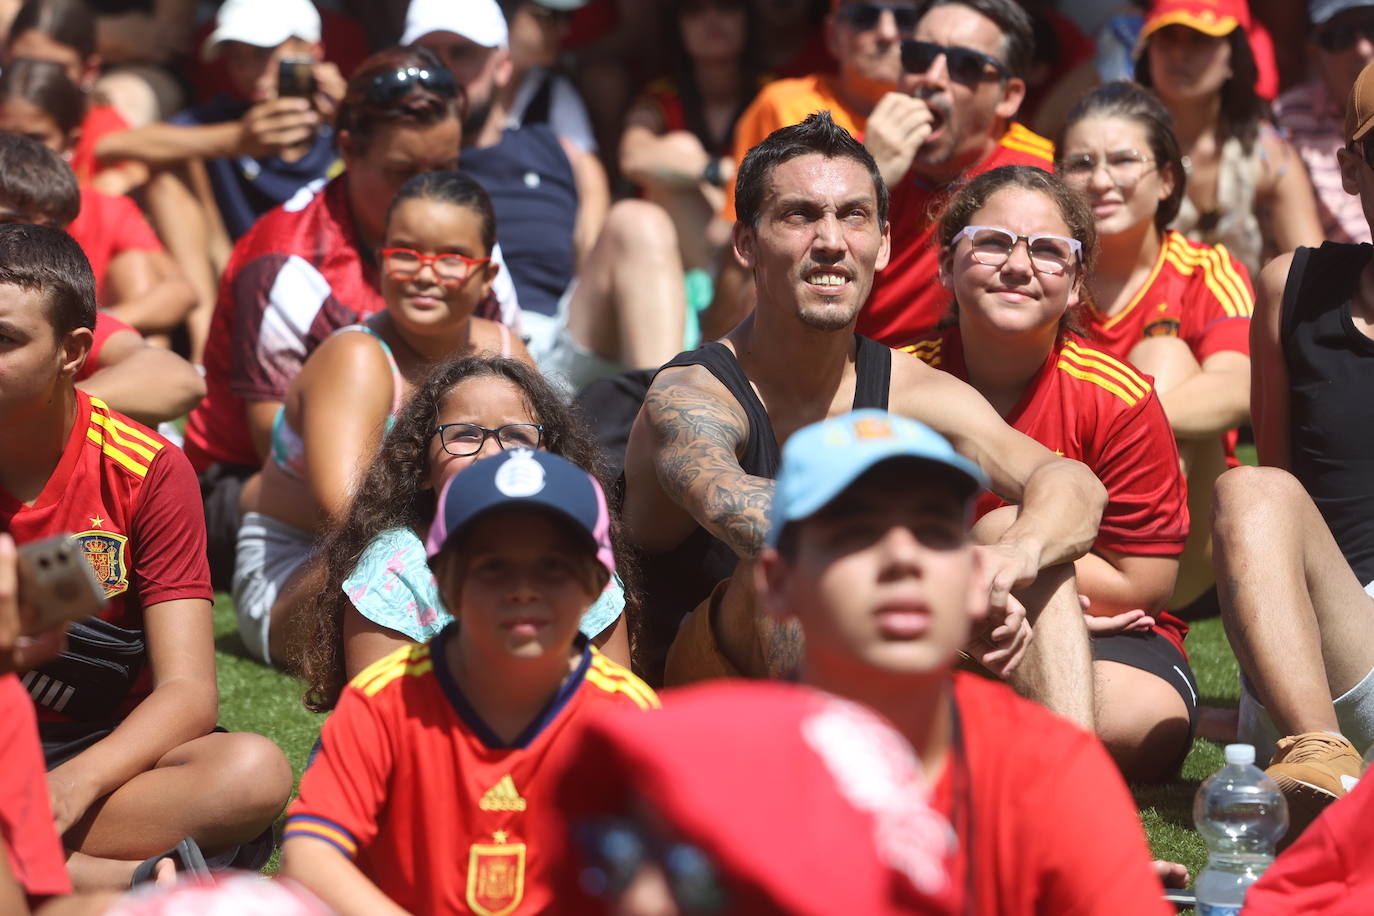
(1108, 367)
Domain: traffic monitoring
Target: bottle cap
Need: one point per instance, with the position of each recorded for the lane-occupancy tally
(1243, 754)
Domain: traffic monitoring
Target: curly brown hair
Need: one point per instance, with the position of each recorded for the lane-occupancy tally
(392, 494)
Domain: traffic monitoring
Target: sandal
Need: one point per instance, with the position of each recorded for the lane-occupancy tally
(186, 855)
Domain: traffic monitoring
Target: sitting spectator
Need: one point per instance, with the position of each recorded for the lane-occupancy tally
(1246, 188)
(224, 163)
(598, 293)
(134, 762)
(1312, 114)
(951, 118)
(436, 270)
(1177, 310)
(677, 144)
(308, 269)
(538, 91)
(1294, 547)
(150, 384)
(1014, 342)
(368, 591)
(432, 786)
(869, 552)
(136, 280)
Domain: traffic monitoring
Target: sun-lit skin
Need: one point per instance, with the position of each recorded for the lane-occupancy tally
(1013, 299)
(486, 401)
(818, 240)
(22, 117)
(1339, 69)
(713, 33)
(34, 364)
(1116, 209)
(870, 59)
(394, 154)
(422, 304)
(1186, 64)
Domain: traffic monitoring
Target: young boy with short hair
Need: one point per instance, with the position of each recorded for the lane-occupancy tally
(431, 790)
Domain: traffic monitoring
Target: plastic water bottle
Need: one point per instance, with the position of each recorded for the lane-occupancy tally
(1241, 815)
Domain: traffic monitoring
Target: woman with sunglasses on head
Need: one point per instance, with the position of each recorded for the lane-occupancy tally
(310, 267)
(1246, 188)
(436, 269)
(369, 590)
(1016, 251)
(1177, 310)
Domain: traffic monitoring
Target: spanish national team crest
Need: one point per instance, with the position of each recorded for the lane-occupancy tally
(496, 876)
(104, 550)
(1164, 327)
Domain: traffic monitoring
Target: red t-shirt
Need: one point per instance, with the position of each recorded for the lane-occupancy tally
(1045, 823)
(105, 326)
(108, 226)
(1195, 291)
(100, 121)
(413, 787)
(26, 826)
(130, 499)
(1329, 870)
(907, 298)
(1087, 405)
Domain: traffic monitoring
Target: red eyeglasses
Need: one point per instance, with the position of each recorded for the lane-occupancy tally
(451, 269)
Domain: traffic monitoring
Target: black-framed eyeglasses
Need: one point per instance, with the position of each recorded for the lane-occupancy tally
(393, 84)
(965, 65)
(462, 439)
(615, 849)
(864, 16)
(1337, 37)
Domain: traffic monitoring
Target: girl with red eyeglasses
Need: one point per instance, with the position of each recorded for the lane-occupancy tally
(436, 268)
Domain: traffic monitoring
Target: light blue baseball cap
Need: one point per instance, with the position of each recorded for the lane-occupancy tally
(821, 460)
(1320, 12)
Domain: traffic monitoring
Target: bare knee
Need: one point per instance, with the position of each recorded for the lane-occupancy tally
(1243, 497)
(1167, 359)
(1141, 720)
(250, 774)
(640, 227)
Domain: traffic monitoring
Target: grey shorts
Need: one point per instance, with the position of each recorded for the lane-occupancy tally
(564, 362)
(268, 552)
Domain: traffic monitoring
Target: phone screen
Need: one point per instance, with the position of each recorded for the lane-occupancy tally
(295, 77)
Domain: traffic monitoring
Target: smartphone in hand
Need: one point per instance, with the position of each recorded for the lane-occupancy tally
(296, 78)
(57, 583)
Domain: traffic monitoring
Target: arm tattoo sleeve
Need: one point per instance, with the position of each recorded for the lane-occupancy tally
(696, 465)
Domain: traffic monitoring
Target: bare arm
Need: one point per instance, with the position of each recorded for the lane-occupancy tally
(1286, 196)
(366, 641)
(696, 430)
(1115, 582)
(1212, 401)
(333, 878)
(593, 197)
(261, 415)
(183, 705)
(652, 156)
(148, 291)
(733, 300)
(265, 129)
(1269, 372)
(142, 381)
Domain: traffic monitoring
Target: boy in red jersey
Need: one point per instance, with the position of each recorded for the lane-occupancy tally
(431, 789)
(133, 766)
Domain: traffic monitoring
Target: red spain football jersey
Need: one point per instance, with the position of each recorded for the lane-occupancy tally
(907, 298)
(130, 499)
(412, 785)
(1090, 406)
(1195, 291)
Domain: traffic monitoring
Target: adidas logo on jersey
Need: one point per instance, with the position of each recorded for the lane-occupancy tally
(502, 797)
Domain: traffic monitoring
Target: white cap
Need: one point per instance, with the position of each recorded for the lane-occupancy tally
(1243, 754)
(263, 23)
(479, 21)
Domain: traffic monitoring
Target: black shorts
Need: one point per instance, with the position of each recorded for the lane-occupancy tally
(220, 486)
(1153, 653)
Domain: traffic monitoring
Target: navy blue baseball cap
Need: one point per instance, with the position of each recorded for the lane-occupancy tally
(1320, 12)
(525, 478)
(821, 460)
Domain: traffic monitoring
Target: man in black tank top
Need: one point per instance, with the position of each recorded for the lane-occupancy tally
(701, 458)
(1294, 538)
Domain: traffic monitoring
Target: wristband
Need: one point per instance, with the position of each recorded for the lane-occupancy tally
(711, 174)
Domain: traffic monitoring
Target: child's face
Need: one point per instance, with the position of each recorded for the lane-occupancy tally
(521, 586)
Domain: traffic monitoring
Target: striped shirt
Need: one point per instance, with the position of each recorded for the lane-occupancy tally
(1315, 125)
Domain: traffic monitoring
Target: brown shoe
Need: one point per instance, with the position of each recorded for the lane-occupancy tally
(1313, 770)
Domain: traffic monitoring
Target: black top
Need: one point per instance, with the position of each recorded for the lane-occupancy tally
(1330, 380)
(678, 580)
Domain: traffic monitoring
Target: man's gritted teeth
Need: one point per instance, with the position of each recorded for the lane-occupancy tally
(834, 277)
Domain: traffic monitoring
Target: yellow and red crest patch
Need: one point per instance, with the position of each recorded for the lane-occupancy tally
(106, 552)
(1164, 327)
(496, 876)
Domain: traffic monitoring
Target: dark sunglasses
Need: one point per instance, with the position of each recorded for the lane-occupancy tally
(865, 16)
(1337, 38)
(394, 84)
(965, 65)
(615, 849)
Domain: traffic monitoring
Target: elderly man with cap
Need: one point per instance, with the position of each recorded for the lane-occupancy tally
(1341, 42)
(1294, 538)
(869, 549)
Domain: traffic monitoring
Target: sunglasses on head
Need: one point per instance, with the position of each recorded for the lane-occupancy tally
(1335, 38)
(865, 16)
(394, 84)
(965, 65)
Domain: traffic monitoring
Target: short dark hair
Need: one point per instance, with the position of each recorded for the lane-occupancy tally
(1132, 102)
(1018, 33)
(451, 188)
(362, 113)
(49, 261)
(44, 84)
(818, 134)
(36, 182)
(67, 22)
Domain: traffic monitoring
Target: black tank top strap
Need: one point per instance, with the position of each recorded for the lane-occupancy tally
(761, 453)
(873, 373)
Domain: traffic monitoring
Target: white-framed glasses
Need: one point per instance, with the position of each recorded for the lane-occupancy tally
(1125, 167)
(991, 246)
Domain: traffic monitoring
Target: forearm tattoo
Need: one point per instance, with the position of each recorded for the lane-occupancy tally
(697, 467)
